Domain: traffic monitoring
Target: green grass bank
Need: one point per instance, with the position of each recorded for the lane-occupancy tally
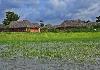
(48, 37)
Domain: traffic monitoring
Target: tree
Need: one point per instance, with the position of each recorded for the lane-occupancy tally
(88, 21)
(98, 19)
(10, 16)
(41, 23)
(49, 26)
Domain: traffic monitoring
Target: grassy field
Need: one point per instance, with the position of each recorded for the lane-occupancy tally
(70, 46)
(49, 37)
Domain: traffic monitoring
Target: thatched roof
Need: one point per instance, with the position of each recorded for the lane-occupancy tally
(72, 23)
(75, 23)
(22, 24)
(2, 26)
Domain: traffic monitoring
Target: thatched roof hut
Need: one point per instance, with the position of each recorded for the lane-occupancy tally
(23, 26)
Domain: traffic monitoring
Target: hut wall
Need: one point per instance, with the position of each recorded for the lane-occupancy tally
(24, 29)
(34, 30)
(1, 29)
(17, 29)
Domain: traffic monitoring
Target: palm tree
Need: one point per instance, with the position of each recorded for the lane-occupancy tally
(98, 19)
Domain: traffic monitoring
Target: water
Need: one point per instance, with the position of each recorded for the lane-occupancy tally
(20, 63)
(45, 64)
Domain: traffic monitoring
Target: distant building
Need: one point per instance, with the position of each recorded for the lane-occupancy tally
(20, 26)
(23, 26)
(71, 23)
(75, 24)
(2, 27)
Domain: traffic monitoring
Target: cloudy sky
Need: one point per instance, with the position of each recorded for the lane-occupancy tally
(51, 11)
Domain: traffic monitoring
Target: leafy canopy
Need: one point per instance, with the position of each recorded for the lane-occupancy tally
(10, 16)
(98, 19)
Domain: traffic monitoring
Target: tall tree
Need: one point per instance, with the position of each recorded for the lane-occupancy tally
(41, 23)
(10, 16)
(98, 19)
(49, 26)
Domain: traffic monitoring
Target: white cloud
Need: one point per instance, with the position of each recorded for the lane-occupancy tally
(24, 12)
(93, 10)
(60, 3)
(0, 1)
(52, 9)
(27, 1)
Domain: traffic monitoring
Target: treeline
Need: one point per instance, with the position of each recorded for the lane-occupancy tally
(74, 29)
(11, 16)
(94, 27)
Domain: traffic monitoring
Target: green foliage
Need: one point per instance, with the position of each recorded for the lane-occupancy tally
(80, 46)
(10, 16)
(55, 30)
(48, 37)
(89, 28)
(76, 51)
(43, 29)
(82, 29)
(98, 19)
(6, 22)
(41, 24)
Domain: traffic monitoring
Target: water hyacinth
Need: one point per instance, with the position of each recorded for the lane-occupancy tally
(68, 46)
(69, 51)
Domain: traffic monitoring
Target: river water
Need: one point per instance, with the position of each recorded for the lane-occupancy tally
(45, 64)
(20, 63)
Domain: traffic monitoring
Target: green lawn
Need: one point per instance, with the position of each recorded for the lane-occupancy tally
(49, 37)
(78, 46)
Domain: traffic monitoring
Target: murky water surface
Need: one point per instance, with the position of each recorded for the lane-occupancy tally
(19, 63)
(45, 64)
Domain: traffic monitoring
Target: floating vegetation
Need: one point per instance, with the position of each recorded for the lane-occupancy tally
(79, 52)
